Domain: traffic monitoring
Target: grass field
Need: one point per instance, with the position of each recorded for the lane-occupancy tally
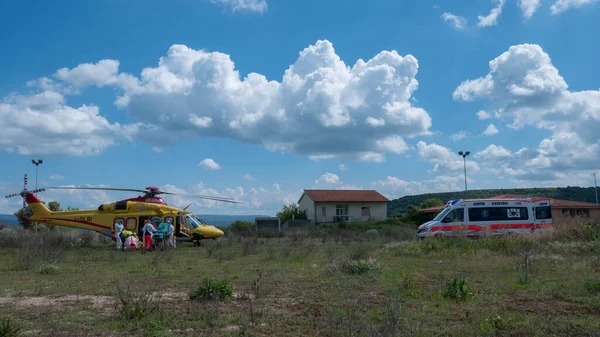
(318, 283)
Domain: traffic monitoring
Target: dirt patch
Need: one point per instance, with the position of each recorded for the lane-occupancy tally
(103, 304)
(549, 306)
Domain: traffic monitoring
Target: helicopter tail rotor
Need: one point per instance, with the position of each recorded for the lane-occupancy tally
(25, 192)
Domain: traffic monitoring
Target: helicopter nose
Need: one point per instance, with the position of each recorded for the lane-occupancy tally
(220, 232)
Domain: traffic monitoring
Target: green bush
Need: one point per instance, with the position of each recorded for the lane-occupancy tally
(592, 232)
(358, 268)
(211, 289)
(242, 227)
(593, 286)
(7, 329)
(458, 289)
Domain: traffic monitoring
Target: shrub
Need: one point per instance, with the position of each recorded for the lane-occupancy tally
(7, 329)
(458, 289)
(137, 304)
(593, 286)
(242, 227)
(353, 267)
(359, 267)
(211, 289)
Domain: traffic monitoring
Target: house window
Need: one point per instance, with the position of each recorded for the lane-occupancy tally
(580, 212)
(341, 212)
(365, 211)
(323, 211)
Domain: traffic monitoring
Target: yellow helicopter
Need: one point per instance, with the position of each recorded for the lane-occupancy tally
(131, 212)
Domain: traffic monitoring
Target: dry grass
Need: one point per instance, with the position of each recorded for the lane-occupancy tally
(303, 285)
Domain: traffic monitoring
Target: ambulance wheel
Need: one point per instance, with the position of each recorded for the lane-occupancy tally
(439, 235)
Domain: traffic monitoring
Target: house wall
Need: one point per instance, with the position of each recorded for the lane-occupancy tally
(559, 217)
(307, 205)
(378, 211)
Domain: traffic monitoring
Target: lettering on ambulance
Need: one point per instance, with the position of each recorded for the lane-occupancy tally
(83, 218)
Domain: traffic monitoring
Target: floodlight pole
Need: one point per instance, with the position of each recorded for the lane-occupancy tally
(36, 163)
(464, 155)
(595, 187)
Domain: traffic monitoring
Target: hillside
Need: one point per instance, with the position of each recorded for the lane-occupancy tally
(9, 219)
(585, 194)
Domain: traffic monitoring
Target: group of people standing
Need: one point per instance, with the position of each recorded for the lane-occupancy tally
(128, 240)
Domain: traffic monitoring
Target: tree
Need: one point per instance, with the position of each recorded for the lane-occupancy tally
(290, 211)
(431, 203)
(54, 206)
(26, 213)
(241, 227)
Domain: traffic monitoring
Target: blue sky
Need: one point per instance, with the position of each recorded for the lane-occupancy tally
(258, 99)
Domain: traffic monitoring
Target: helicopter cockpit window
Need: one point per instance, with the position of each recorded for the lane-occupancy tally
(194, 222)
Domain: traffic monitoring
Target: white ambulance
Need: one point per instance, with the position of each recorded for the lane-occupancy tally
(489, 217)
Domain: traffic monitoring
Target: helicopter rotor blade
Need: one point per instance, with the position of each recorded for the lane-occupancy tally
(97, 188)
(197, 196)
(22, 193)
(208, 197)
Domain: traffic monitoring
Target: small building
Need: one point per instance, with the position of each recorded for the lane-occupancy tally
(326, 206)
(268, 223)
(563, 211)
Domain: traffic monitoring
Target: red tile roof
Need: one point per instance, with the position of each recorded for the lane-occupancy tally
(557, 203)
(345, 196)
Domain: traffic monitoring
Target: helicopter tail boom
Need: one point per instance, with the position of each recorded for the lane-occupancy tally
(37, 207)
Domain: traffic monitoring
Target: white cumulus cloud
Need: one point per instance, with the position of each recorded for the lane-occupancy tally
(563, 5)
(455, 21)
(490, 130)
(493, 153)
(42, 123)
(248, 177)
(56, 177)
(483, 115)
(492, 18)
(529, 90)
(459, 136)
(328, 178)
(528, 7)
(210, 164)
(342, 167)
(259, 6)
(322, 108)
(444, 159)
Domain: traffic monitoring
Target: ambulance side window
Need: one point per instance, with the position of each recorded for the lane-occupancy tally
(457, 215)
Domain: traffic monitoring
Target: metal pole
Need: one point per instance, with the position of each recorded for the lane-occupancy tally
(595, 187)
(36, 178)
(465, 163)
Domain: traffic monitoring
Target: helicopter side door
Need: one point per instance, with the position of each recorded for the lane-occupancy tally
(182, 226)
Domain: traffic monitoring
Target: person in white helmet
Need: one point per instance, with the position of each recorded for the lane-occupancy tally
(118, 230)
(170, 233)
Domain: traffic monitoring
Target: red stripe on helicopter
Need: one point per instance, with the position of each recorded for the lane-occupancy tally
(81, 222)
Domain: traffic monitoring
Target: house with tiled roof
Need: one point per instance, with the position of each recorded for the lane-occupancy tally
(563, 211)
(326, 206)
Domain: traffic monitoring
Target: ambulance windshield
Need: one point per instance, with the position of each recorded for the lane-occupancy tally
(442, 214)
